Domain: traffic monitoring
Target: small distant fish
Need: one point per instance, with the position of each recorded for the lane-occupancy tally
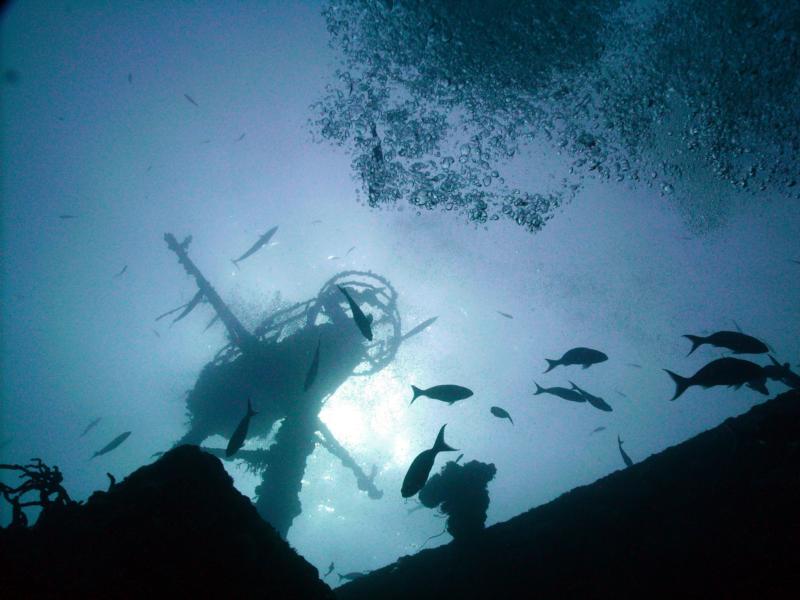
(189, 306)
(349, 250)
(363, 322)
(419, 328)
(625, 457)
(417, 475)
(315, 221)
(112, 444)
(206, 142)
(158, 335)
(90, 426)
(506, 315)
(723, 371)
(190, 99)
(130, 77)
(255, 247)
(597, 430)
(561, 392)
(795, 261)
(621, 393)
(577, 356)
(595, 401)
(238, 437)
(501, 413)
(240, 138)
(125, 268)
(11, 76)
(634, 365)
(352, 576)
(446, 393)
(213, 320)
(739, 343)
(330, 569)
(64, 217)
(312, 370)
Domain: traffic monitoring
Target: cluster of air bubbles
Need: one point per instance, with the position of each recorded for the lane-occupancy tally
(435, 100)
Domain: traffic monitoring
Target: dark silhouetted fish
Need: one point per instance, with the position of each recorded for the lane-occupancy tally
(352, 576)
(330, 569)
(506, 315)
(349, 250)
(363, 322)
(158, 335)
(797, 262)
(90, 426)
(561, 392)
(728, 371)
(595, 401)
(446, 393)
(189, 306)
(264, 239)
(419, 328)
(739, 343)
(64, 217)
(501, 413)
(190, 99)
(417, 475)
(238, 437)
(240, 138)
(625, 457)
(213, 320)
(130, 77)
(112, 444)
(781, 372)
(624, 395)
(316, 221)
(312, 370)
(577, 356)
(122, 272)
(597, 430)
(634, 365)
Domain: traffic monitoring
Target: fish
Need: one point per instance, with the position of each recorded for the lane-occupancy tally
(363, 322)
(90, 426)
(506, 315)
(330, 570)
(112, 444)
(595, 401)
(189, 306)
(316, 221)
(352, 576)
(795, 261)
(623, 394)
(739, 343)
(122, 272)
(312, 370)
(597, 430)
(625, 457)
(255, 247)
(634, 365)
(130, 77)
(158, 335)
(501, 413)
(577, 356)
(190, 99)
(417, 475)
(64, 217)
(446, 393)
(240, 138)
(781, 372)
(419, 328)
(213, 320)
(727, 371)
(238, 437)
(561, 392)
(349, 250)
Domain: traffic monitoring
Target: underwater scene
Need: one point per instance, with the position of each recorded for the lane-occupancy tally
(409, 269)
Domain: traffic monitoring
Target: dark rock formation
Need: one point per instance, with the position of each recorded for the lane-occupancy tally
(176, 527)
(716, 516)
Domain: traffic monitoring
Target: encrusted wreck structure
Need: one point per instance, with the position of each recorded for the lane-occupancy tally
(269, 366)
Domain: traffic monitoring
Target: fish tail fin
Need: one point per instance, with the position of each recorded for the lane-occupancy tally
(417, 393)
(551, 364)
(681, 383)
(696, 342)
(539, 389)
(440, 445)
(235, 264)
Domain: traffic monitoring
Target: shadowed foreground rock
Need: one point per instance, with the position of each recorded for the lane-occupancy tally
(175, 527)
(716, 516)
